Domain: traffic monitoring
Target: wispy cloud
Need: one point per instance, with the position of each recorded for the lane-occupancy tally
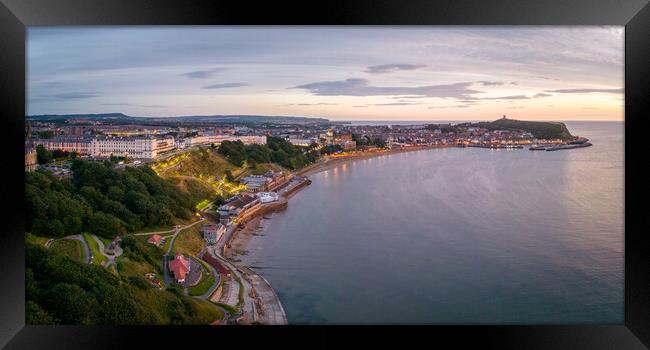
(397, 104)
(541, 94)
(453, 106)
(587, 91)
(131, 105)
(490, 83)
(364, 106)
(511, 97)
(362, 87)
(203, 74)
(65, 96)
(387, 68)
(313, 104)
(225, 85)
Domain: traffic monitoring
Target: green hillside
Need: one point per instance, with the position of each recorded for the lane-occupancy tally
(202, 174)
(540, 130)
(59, 290)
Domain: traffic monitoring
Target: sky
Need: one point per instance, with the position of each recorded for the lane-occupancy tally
(340, 73)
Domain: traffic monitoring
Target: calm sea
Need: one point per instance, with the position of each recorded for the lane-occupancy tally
(456, 236)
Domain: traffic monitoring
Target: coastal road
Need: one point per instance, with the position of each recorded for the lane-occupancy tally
(262, 305)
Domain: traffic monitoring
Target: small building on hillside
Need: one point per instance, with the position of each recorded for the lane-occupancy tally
(212, 233)
(179, 267)
(238, 206)
(155, 240)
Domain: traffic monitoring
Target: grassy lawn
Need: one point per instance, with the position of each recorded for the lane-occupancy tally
(206, 312)
(106, 241)
(98, 258)
(127, 267)
(165, 245)
(231, 309)
(189, 241)
(38, 240)
(204, 285)
(70, 248)
(241, 291)
(206, 282)
(164, 306)
(202, 204)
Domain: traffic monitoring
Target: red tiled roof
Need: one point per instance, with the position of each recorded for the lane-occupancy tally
(179, 266)
(155, 239)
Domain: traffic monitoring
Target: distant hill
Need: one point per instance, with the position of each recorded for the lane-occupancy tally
(123, 118)
(540, 130)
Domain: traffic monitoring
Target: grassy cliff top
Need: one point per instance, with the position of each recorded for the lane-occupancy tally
(540, 130)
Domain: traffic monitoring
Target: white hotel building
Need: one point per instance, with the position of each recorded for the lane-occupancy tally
(146, 147)
(218, 139)
(134, 147)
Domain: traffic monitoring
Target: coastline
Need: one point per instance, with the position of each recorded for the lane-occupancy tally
(241, 237)
(332, 162)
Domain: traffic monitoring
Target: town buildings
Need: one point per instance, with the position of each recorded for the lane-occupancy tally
(270, 181)
(31, 159)
(237, 207)
(144, 147)
(218, 139)
(268, 197)
(212, 233)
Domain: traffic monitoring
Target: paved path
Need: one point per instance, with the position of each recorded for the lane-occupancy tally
(102, 251)
(216, 275)
(272, 312)
(84, 244)
(166, 277)
(168, 231)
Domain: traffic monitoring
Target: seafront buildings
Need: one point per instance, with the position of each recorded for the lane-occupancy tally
(212, 233)
(237, 207)
(103, 139)
(137, 147)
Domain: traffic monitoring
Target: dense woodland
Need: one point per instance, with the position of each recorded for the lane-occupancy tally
(59, 290)
(101, 200)
(277, 150)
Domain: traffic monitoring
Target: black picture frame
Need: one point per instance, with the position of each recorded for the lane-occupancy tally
(15, 15)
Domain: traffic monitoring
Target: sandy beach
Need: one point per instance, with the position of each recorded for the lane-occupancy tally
(242, 237)
(332, 162)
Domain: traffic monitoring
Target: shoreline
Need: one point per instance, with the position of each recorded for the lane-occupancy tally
(332, 162)
(241, 237)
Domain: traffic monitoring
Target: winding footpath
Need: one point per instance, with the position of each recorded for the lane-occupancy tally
(176, 231)
(102, 250)
(84, 245)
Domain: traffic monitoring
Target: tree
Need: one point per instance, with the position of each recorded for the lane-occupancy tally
(46, 134)
(71, 304)
(229, 176)
(43, 155)
(35, 315)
